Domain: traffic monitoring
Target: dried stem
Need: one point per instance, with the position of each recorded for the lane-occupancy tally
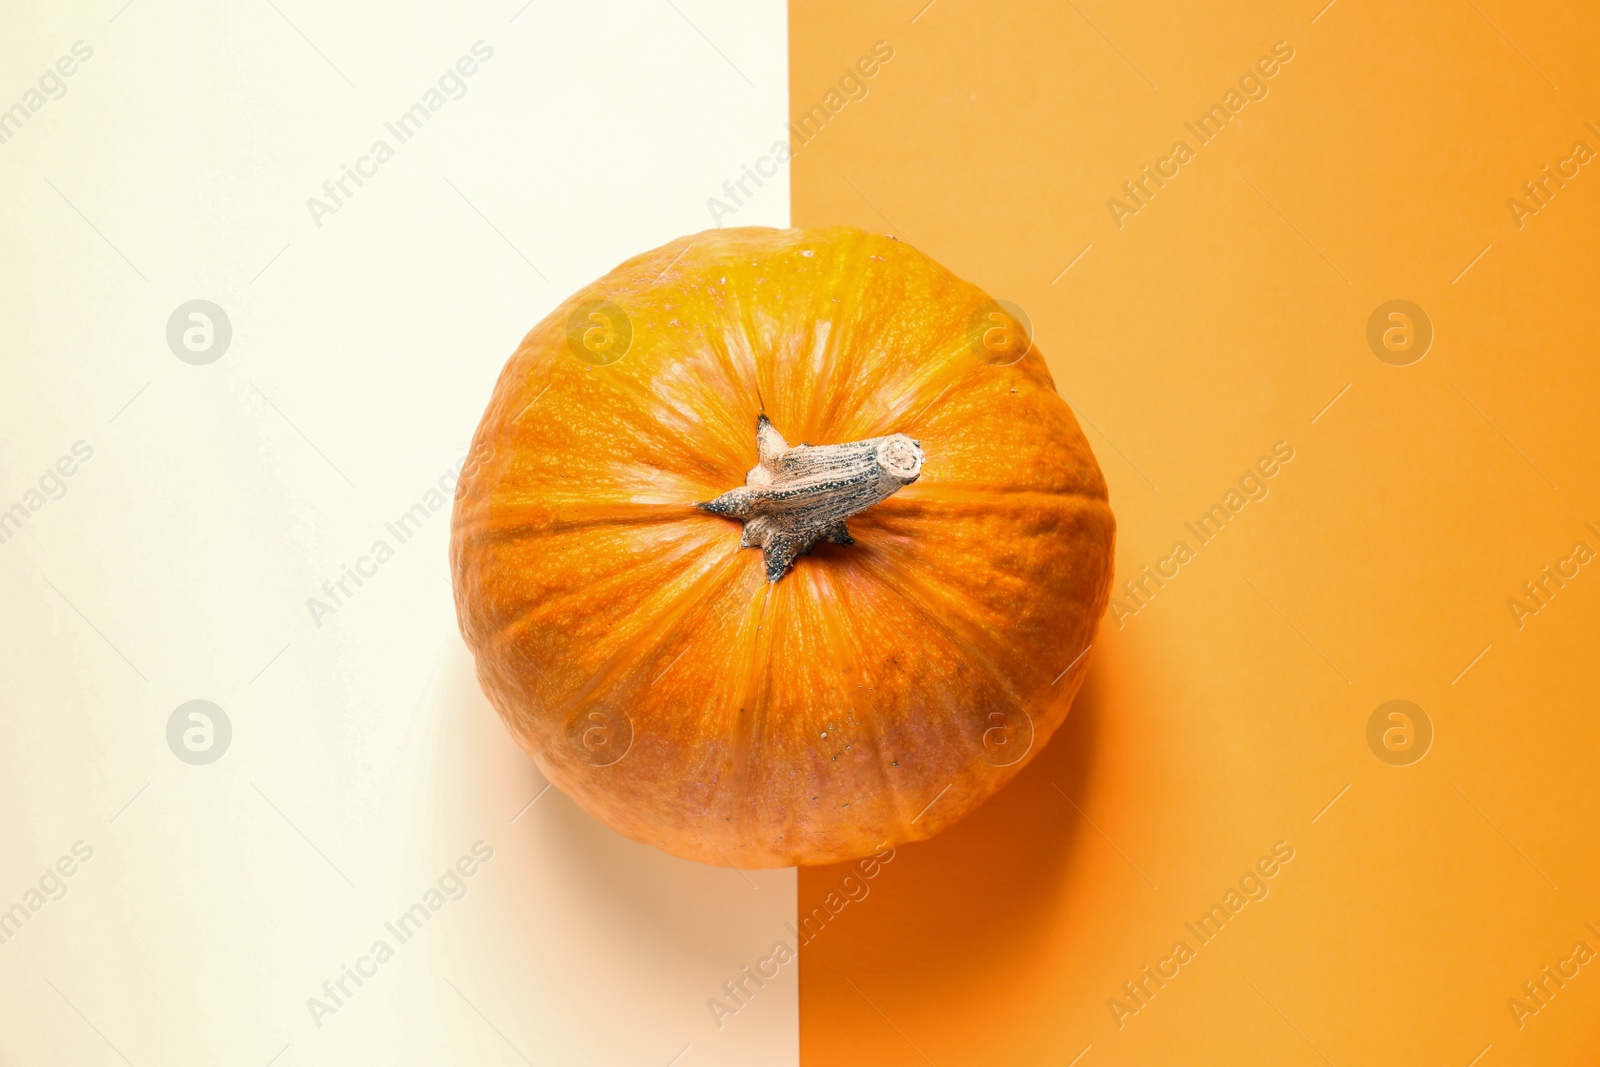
(795, 497)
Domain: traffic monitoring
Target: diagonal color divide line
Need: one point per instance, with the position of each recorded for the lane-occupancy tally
(1102, 833)
(1508, 440)
(91, 1025)
(1323, 12)
(303, 837)
(1330, 804)
(96, 629)
(1480, 1055)
(489, 1024)
(303, 437)
(1286, 1019)
(1079, 1056)
(1297, 630)
(1330, 404)
(496, 229)
(1473, 664)
(923, 12)
(276, 1058)
(96, 229)
(1502, 833)
(1074, 263)
(679, 1056)
(890, 1021)
(1299, 231)
(1474, 263)
(1114, 47)
(712, 43)
(312, 43)
(1512, 43)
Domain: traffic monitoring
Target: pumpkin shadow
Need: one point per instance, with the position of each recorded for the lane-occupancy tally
(975, 895)
(954, 907)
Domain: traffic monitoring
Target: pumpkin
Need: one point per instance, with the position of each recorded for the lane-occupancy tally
(779, 547)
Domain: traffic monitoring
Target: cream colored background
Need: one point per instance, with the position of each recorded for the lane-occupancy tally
(220, 497)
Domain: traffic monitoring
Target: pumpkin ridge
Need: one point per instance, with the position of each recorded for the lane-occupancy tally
(927, 581)
(607, 676)
(821, 414)
(910, 391)
(543, 352)
(508, 522)
(966, 375)
(511, 631)
(913, 591)
(853, 416)
(729, 322)
(974, 497)
(860, 706)
(668, 451)
(910, 593)
(694, 537)
(753, 710)
(1029, 372)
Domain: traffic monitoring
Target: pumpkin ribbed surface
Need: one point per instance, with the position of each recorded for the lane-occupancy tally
(877, 690)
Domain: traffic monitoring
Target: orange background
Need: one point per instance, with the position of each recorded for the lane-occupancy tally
(1225, 716)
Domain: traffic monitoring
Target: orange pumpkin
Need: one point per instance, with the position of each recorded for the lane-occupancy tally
(759, 654)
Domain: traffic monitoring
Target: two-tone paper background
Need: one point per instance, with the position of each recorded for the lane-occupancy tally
(1219, 318)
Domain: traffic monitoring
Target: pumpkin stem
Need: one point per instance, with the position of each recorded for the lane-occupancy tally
(795, 497)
